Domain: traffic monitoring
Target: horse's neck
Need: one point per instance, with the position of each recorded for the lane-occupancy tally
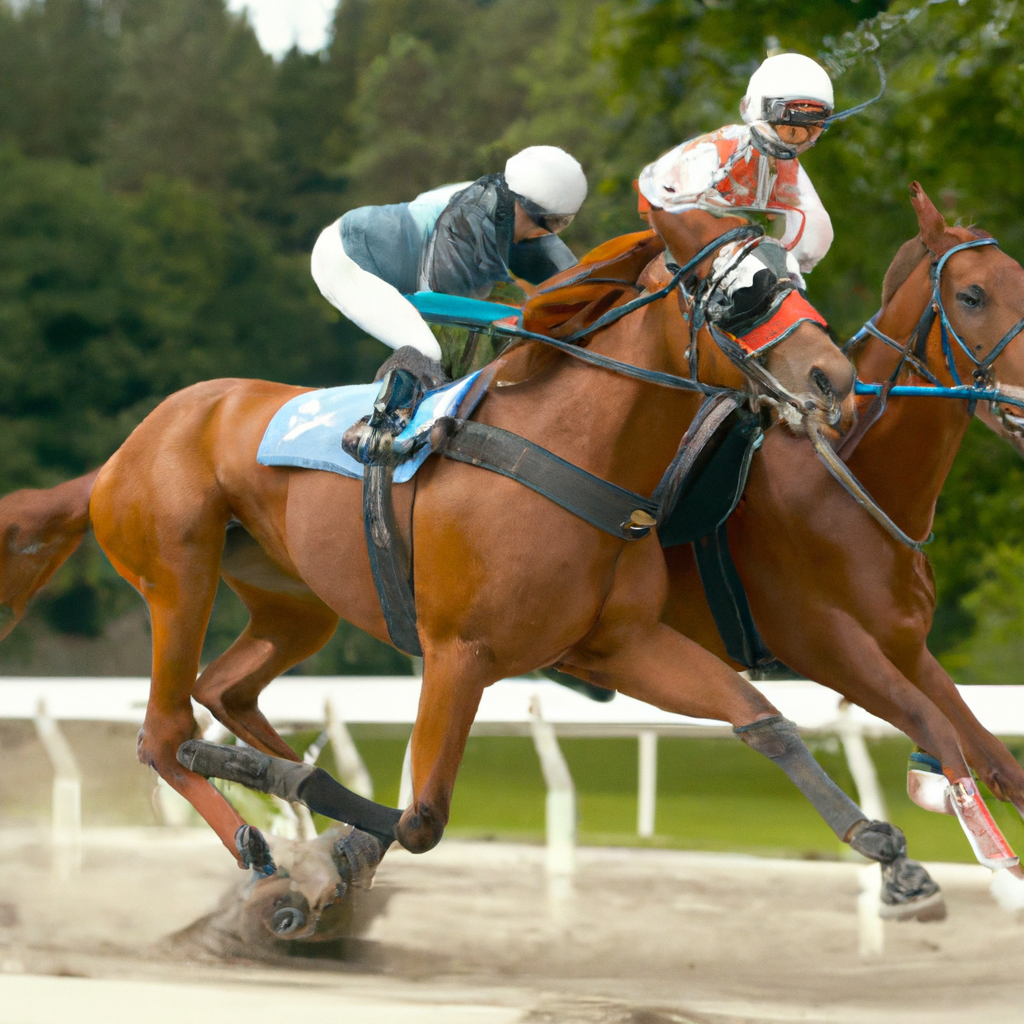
(905, 457)
(613, 426)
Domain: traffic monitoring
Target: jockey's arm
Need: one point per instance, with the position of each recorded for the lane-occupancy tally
(367, 300)
(817, 234)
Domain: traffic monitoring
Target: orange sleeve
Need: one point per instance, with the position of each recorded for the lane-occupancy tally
(642, 204)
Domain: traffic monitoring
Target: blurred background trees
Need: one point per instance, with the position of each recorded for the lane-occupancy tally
(162, 181)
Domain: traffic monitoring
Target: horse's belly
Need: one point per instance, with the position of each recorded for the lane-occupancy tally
(327, 544)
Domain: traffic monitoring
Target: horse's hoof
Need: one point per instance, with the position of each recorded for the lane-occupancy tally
(418, 830)
(356, 857)
(253, 851)
(910, 893)
(924, 908)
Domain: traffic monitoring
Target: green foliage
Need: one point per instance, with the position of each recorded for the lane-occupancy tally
(162, 182)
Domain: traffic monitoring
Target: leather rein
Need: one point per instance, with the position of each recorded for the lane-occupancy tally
(913, 353)
(746, 362)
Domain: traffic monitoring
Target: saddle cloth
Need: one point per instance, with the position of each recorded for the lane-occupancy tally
(306, 431)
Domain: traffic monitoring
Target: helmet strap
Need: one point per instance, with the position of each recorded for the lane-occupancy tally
(771, 145)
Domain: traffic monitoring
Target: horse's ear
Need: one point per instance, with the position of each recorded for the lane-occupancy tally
(932, 223)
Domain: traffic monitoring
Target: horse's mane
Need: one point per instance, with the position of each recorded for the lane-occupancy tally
(572, 300)
(605, 278)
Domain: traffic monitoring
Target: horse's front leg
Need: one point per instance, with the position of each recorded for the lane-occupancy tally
(985, 753)
(454, 677)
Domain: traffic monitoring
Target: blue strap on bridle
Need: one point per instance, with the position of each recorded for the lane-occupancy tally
(935, 389)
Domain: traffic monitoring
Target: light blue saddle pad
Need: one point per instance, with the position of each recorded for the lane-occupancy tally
(307, 430)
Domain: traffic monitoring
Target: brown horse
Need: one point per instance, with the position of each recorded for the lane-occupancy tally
(834, 596)
(506, 581)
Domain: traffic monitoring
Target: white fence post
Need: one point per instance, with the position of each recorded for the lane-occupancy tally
(561, 797)
(870, 926)
(405, 786)
(647, 782)
(352, 770)
(67, 796)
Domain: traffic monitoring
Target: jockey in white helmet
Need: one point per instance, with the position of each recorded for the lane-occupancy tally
(755, 165)
(458, 239)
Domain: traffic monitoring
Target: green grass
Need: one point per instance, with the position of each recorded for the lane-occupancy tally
(713, 794)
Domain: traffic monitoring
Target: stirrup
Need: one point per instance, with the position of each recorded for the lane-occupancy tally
(371, 441)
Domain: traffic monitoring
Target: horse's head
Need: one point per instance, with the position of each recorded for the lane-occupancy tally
(788, 339)
(967, 298)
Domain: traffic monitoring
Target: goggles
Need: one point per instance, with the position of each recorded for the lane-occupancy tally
(553, 222)
(796, 113)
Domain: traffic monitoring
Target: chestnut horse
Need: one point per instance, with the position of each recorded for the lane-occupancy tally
(507, 581)
(834, 596)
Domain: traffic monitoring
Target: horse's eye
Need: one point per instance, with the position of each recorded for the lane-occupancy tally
(971, 297)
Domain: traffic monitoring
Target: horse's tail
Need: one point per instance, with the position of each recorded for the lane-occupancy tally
(38, 531)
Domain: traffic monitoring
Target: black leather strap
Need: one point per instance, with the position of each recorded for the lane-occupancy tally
(602, 504)
(389, 559)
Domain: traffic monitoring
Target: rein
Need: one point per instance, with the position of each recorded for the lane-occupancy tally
(746, 362)
(913, 354)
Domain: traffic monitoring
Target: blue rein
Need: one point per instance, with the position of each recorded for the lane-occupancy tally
(979, 392)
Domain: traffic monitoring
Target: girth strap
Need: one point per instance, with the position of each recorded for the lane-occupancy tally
(607, 506)
(389, 559)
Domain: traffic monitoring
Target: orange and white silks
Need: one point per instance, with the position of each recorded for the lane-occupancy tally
(724, 169)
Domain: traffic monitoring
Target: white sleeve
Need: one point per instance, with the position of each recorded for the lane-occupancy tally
(678, 179)
(817, 235)
(374, 305)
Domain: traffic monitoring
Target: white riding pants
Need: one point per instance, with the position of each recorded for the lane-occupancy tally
(370, 303)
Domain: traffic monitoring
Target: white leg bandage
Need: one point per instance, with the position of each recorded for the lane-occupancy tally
(372, 304)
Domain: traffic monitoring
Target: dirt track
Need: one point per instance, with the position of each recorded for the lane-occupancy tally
(468, 933)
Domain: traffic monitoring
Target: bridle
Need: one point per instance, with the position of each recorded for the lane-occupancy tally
(768, 387)
(914, 354)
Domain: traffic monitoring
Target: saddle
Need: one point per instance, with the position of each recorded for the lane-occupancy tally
(696, 495)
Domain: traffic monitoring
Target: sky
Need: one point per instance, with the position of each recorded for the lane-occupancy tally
(280, 23)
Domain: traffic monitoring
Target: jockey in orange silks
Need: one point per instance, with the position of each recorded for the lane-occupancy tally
(754, 166)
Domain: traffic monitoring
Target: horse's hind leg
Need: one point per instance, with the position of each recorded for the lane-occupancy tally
(283, 629)
(172, 556)
(654, 663)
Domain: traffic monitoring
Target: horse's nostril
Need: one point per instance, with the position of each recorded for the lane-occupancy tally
(822, 382)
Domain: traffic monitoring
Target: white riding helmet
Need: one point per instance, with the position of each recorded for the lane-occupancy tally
(777, 95)
(549, 179)
(783, 79)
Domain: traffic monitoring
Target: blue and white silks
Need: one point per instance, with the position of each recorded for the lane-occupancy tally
(306, 431)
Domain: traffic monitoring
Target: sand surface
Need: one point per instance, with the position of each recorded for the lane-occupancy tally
(472, 932)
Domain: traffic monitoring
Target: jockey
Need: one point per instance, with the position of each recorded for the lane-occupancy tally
(457, 239)
(754, 166)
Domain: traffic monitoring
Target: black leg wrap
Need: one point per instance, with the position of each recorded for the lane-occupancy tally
(246, 766)
(878, 840)
(777, 738)
(322, 794)
(292, 781)
(253, 850)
